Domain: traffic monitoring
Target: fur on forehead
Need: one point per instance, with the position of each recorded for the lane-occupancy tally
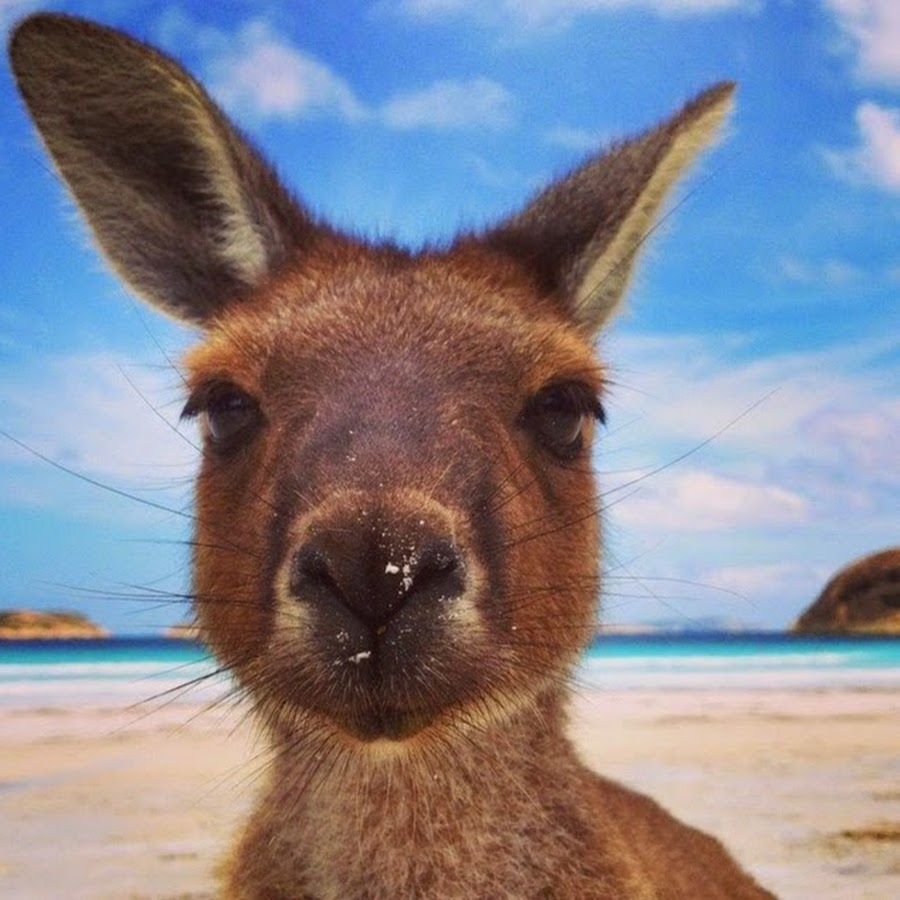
(463, 305)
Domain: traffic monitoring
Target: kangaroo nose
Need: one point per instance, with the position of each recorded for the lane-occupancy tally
(373, 572)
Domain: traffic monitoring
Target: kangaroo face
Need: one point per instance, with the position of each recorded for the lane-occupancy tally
(396, 514)
(396, 520)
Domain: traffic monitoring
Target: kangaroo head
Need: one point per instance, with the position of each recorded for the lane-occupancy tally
(397, 522)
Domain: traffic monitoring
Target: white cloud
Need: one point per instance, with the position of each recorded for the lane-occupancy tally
(579, 140)
(861, 440)
(258, 74)
(764, 578)
(487, 173)
(835, 273)
(873, 26)
(549, 12)
(813, 434)
(429, 8)
(695, 500)
(688, 387)
(103, 416)
(450, 104)
(876, 160)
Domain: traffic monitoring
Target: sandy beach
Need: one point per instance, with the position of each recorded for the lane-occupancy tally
(804, 786)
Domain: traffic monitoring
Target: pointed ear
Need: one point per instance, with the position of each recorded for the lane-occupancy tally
(186, 212)
(581, 236)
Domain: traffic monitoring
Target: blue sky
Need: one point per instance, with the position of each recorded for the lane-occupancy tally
(767, 314)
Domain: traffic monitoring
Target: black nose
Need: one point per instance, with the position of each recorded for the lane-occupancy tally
(375, 571)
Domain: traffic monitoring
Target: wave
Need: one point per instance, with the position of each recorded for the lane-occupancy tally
(758, 675)
(728, 663)
(87, 691)
(113, 670)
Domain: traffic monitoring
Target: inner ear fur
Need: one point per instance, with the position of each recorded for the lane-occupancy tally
(581, 236)
(184, 209)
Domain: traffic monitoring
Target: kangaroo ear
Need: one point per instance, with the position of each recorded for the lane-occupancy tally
(185, 210)
(581, 235)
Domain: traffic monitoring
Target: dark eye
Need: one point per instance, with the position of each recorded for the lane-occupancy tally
(228, 414)
(558, 415)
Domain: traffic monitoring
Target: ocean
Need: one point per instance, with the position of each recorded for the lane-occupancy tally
(131, 670)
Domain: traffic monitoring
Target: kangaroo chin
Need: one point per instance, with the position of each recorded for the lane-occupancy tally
(397, 547)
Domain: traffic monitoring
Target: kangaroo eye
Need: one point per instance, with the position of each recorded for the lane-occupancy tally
(228, 414)
(559, 414)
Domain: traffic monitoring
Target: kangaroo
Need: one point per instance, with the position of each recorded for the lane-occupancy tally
(397, 524)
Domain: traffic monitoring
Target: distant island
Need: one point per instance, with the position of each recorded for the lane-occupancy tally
(184, 631)
(31, 624)
(684, 625)
(861, 598)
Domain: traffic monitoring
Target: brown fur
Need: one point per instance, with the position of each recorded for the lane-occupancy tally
(397, 524)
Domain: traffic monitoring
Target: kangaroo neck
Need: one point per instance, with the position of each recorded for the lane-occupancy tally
(466, 812)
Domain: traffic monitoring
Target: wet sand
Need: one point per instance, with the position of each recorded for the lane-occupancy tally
(803, 786)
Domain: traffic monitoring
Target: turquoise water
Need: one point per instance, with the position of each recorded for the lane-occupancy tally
(715, 661)
(117, 670)
(127, 670)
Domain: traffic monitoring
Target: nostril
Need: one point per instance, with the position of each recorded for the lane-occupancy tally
(438, 571)
(312, 576)
(440, 556)
(361, 572)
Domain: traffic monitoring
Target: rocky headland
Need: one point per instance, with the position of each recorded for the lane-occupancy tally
(861, 598)
(31, 624)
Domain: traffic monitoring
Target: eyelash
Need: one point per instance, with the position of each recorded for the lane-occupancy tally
(557, 415)
(227, 413)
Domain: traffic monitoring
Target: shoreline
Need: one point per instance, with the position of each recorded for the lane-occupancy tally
(802, 786)
(118, 671)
